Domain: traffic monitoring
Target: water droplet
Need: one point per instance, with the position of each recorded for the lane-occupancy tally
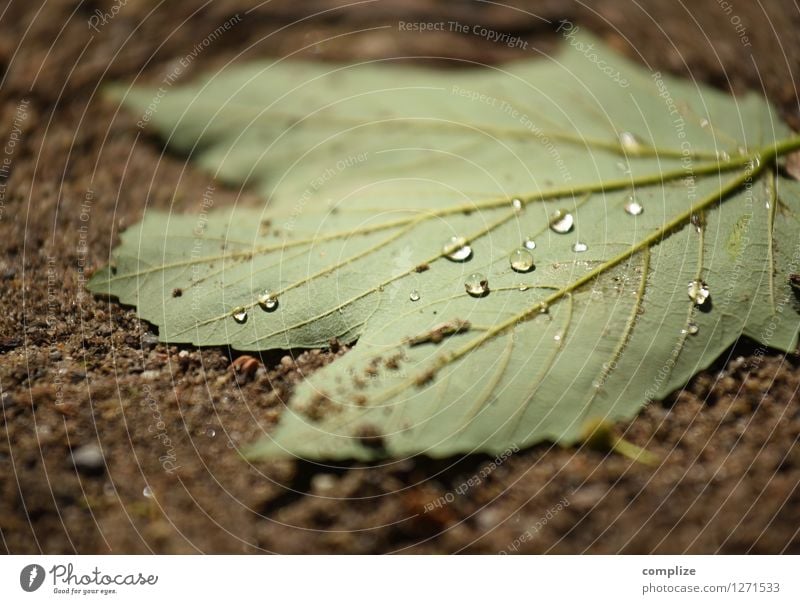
(516, 203)
(457, 249)
(239, 314)
(476, 285)
(529, 244)
(147, 492)
(723, 155)
(543, 308)
(521, 260)
(692, 328)
(414, 295)
(557, 337)
(704, 123)
(562, 222)
(698, 292)
(523, 287)
(211, 433)
(633, 207)
(629, 141)
(579, 247)
(268, 301)
(699, 221)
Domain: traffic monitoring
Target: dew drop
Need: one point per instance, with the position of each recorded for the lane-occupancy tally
(239, 314)
(211, 433)
(562, 222)
(704, 123)
(557, 337)
(692, 328)
(633, 207)
(457, 249)
(521, 260)
(629, 141)
(579, 247)
(476, 285)
(414, 295)
(268, 301)
(147, 492)
(698, 292)
(523, 287)
(529, 244)
(516, 203)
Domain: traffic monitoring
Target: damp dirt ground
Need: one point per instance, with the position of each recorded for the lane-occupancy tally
(77, 371)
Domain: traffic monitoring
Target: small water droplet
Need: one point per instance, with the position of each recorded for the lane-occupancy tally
(476, 285)
(521, 260)
(523, 287)
(692, 328)
(579, 246)
(699, 221)
(529, 244)
(562, 222)
(211, 433)
(633, 207)
(516, 203)
(457, 249)
(629, 141)
(414, 295)
(698, 292)
(147, 492)
(723, 155)
(239, 314)
(557, 337)
(704, 123)
(543, 308)
(268, 301)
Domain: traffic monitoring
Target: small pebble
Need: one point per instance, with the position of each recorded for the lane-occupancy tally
(149, 340)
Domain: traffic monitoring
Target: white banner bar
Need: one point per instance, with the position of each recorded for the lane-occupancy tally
(399, 579)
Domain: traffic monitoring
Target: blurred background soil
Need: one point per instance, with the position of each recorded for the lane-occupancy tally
(82, 374)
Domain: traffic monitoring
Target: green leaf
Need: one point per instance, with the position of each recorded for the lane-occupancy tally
(370, 169)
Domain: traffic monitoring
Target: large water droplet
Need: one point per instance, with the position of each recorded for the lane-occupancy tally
(476, 285)
(268, 301)
(239, 314)
(516, 203)
(414, 295)
(457, 249)
(633, 207)
(562, 222)
(698, 292)
(629, 141)
(521, 260)
(529, 243)
(579, 246)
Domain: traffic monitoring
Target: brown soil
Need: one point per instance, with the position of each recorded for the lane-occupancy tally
(75, 370)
